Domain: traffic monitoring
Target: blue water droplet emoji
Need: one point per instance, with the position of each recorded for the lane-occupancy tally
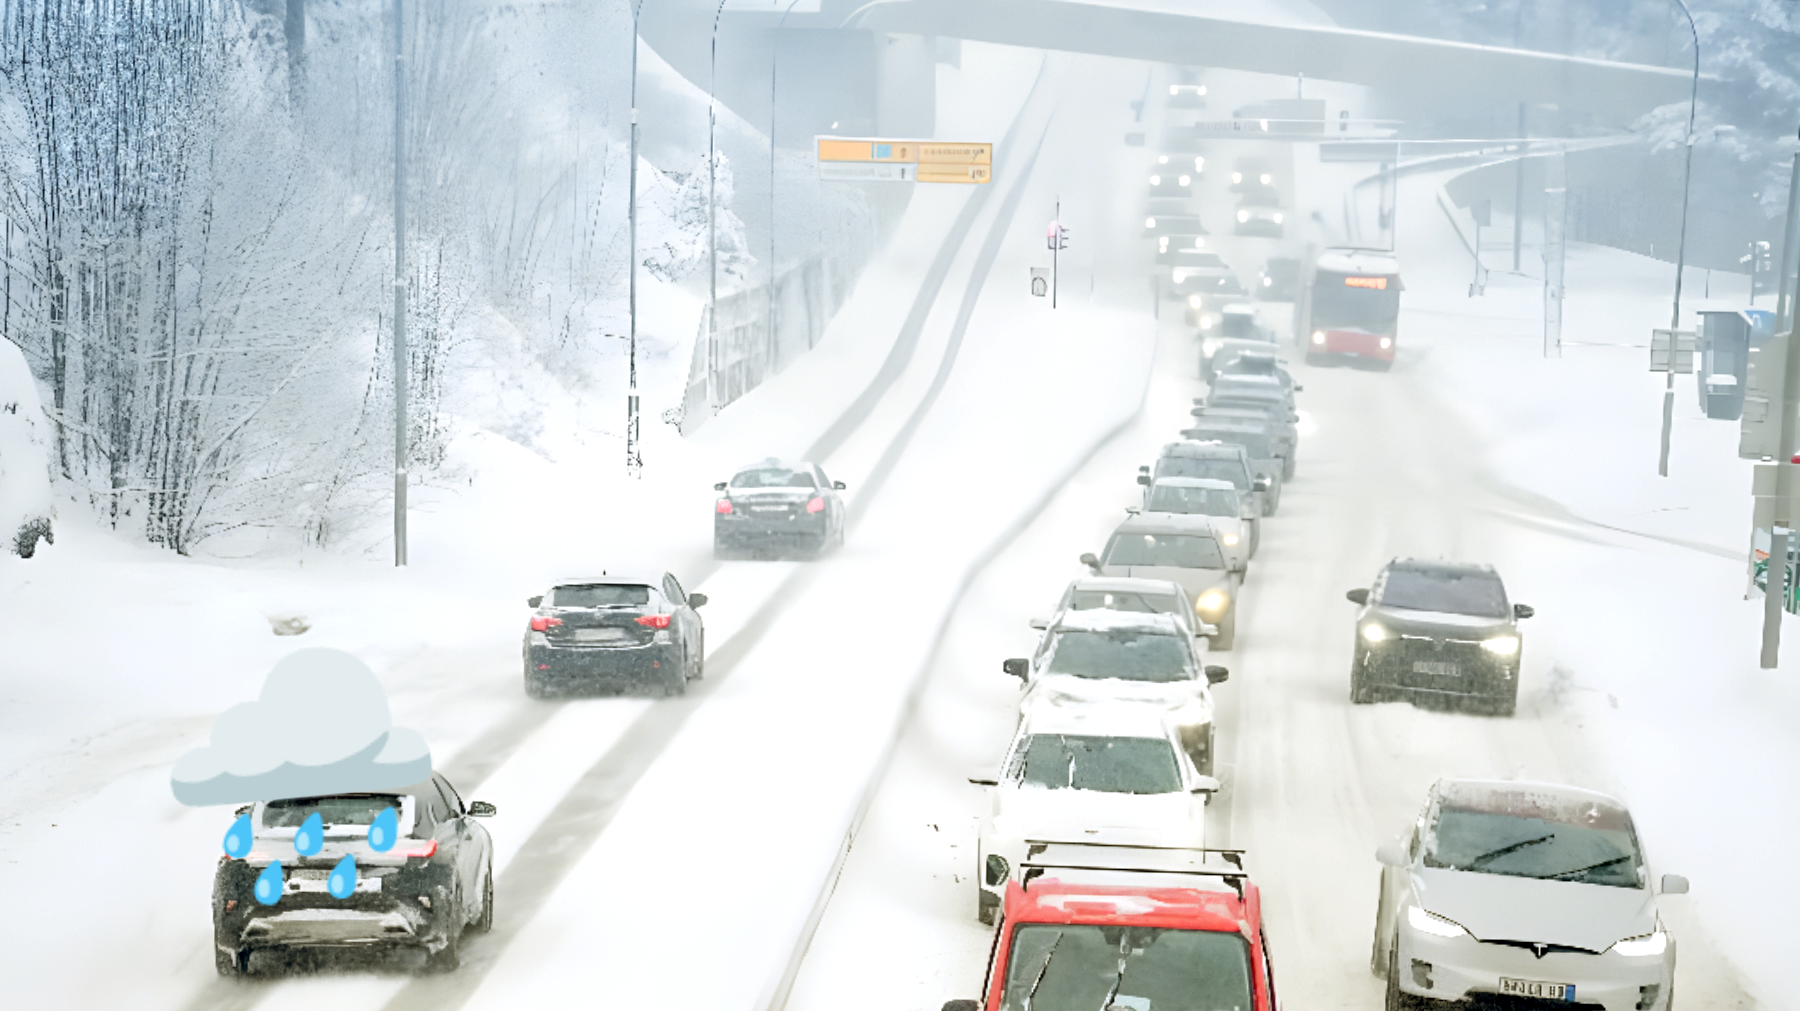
(343, 878)
(310, 836)
(384, 830)
(270, 885)
(237, 838)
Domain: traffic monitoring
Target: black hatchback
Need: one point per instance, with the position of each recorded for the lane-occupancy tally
(616, 633)
(1438, 630)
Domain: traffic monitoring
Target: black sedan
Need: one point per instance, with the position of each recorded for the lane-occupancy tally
(1439, 630)
(615, 632)
(773, 508)
(371, 872)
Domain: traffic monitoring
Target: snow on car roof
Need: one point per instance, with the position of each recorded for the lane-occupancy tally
(1240, 379)
(1345, 260)
(775, 463)
(1204, 449)
(1439, 565)
(1197, 482)
(628, 579)
(1056, 714)
(1239, 309)
(1120, 584)
(1525, 799)
(1100, 619)
(1196, 524)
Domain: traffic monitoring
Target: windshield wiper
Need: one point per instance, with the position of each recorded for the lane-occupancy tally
(1589, 867)
(1504, 850)
(1044, 967)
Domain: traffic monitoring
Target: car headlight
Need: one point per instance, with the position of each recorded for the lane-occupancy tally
(1268, 281)
(1318, 336)
(1156, 180)
(1243, 216)
(1638, 947)
(1431, 923)
(1174, 89)
(1149, 222)
(1193, 301)
(1501, 645)
(1386, 342)
(1237, 177)
(1265, 179)
(1374, 633)
(1230, 540)
(1207, 321)
(1184, 180)
(1278, 217)
(1209, 347)
(1178, 276)
(1213, 601)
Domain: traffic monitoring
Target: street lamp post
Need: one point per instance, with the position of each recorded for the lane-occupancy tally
(634, 460)
(399, 283)
(1668, 412)
(774, 67)
(712, 205)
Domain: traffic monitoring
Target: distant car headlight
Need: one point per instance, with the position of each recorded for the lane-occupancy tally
(1156, 180)
(1318, 336)
(1193, 301)
(1431, 923)
(1184, 180)
(1243, 216)
(1213, 601)
(1200, 161)
(1386, 342)
(1209, 346)
(1501, 645)
(1265, 179)
(1201, 90)
(1638, 947)
(1237, 177)
(1149, 222)
(1207, 321)
(1278, 217)
(1230, 540)
(1268, 281)
(1174, 89)
(1374, 633)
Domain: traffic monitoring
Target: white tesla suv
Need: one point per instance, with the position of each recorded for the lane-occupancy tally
(1522, 890)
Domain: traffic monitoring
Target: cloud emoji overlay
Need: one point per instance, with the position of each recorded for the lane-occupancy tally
(321, 727)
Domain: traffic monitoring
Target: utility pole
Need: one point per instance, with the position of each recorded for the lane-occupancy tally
(712, 205)
(1668, 416)
(634, 461)
(399, 283)
(1519, 163)
(1775, 579)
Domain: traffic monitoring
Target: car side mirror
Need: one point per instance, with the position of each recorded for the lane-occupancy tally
(1299, 389)
(1674, 884)
(1392, 854)
(1357, 597)
(719, 487)
(1144, 479)
(697, 600)
(1205, 784)
(1017, 667)
(1091, 561)
(839, 485)
(534, 601)
(971, 1005)
(482, 809)
(981, 779)
(1040, 623)
(1216, 675)
(1260, 484)
(1523, 611)
(1145, 469)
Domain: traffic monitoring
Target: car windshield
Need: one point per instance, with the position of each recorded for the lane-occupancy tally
(1127, 653)
(1136, 601)
(600, 595)
(1449, 591)
(1255, 443)
(1180, 551)
(773, 477)
(1585, 843)
(1166, 498)
(1140, 765)
(1081, 967)
(1208, 469)
(1252, 365)
(344, 809)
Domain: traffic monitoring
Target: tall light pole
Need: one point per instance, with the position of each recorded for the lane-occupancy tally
(634, 460)
(1781, 524)
(774, 67)
(1668, 414)
(399, 283)
(712, 204)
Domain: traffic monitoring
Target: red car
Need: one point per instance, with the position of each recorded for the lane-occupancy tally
(1099, 926)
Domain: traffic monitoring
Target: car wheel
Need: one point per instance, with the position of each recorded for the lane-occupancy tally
(1396, 998)
(675, 682)
(448, 957)
(1227, 631)
(987, 906)
(229, 964)
(534, 685)
(485, 922)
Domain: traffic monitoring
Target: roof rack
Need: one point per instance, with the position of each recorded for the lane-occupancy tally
(1046, 855)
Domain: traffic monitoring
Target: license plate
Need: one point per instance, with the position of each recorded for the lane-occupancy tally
(1537, 989)
(308, 879)
(768, 509)
(1439, 668)
(598, 634)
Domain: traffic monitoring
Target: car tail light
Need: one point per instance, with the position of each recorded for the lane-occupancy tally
(654, 621)
(544, 624)
(423, 851)
(724, 507)
(817, 503)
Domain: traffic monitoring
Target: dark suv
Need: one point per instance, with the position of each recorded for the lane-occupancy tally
(1439, 630)
(617, 632)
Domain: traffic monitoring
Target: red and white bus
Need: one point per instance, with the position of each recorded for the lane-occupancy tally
(1353, 312)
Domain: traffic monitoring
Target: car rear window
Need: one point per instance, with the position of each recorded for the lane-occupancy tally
(773, 477)
(344, 809)
(601, 595)
(1209, 469)
(1181, 551)
(1083, 967)
(1193, 501)
(1125, 653)
(1108, 764)
(1117, 600)
(1450, 591)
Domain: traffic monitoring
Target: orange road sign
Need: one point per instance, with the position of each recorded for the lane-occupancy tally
(847, 159)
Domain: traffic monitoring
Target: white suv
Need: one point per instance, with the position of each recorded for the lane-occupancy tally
(1522, 890)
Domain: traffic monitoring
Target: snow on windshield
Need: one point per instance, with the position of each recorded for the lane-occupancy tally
(1141, 765)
